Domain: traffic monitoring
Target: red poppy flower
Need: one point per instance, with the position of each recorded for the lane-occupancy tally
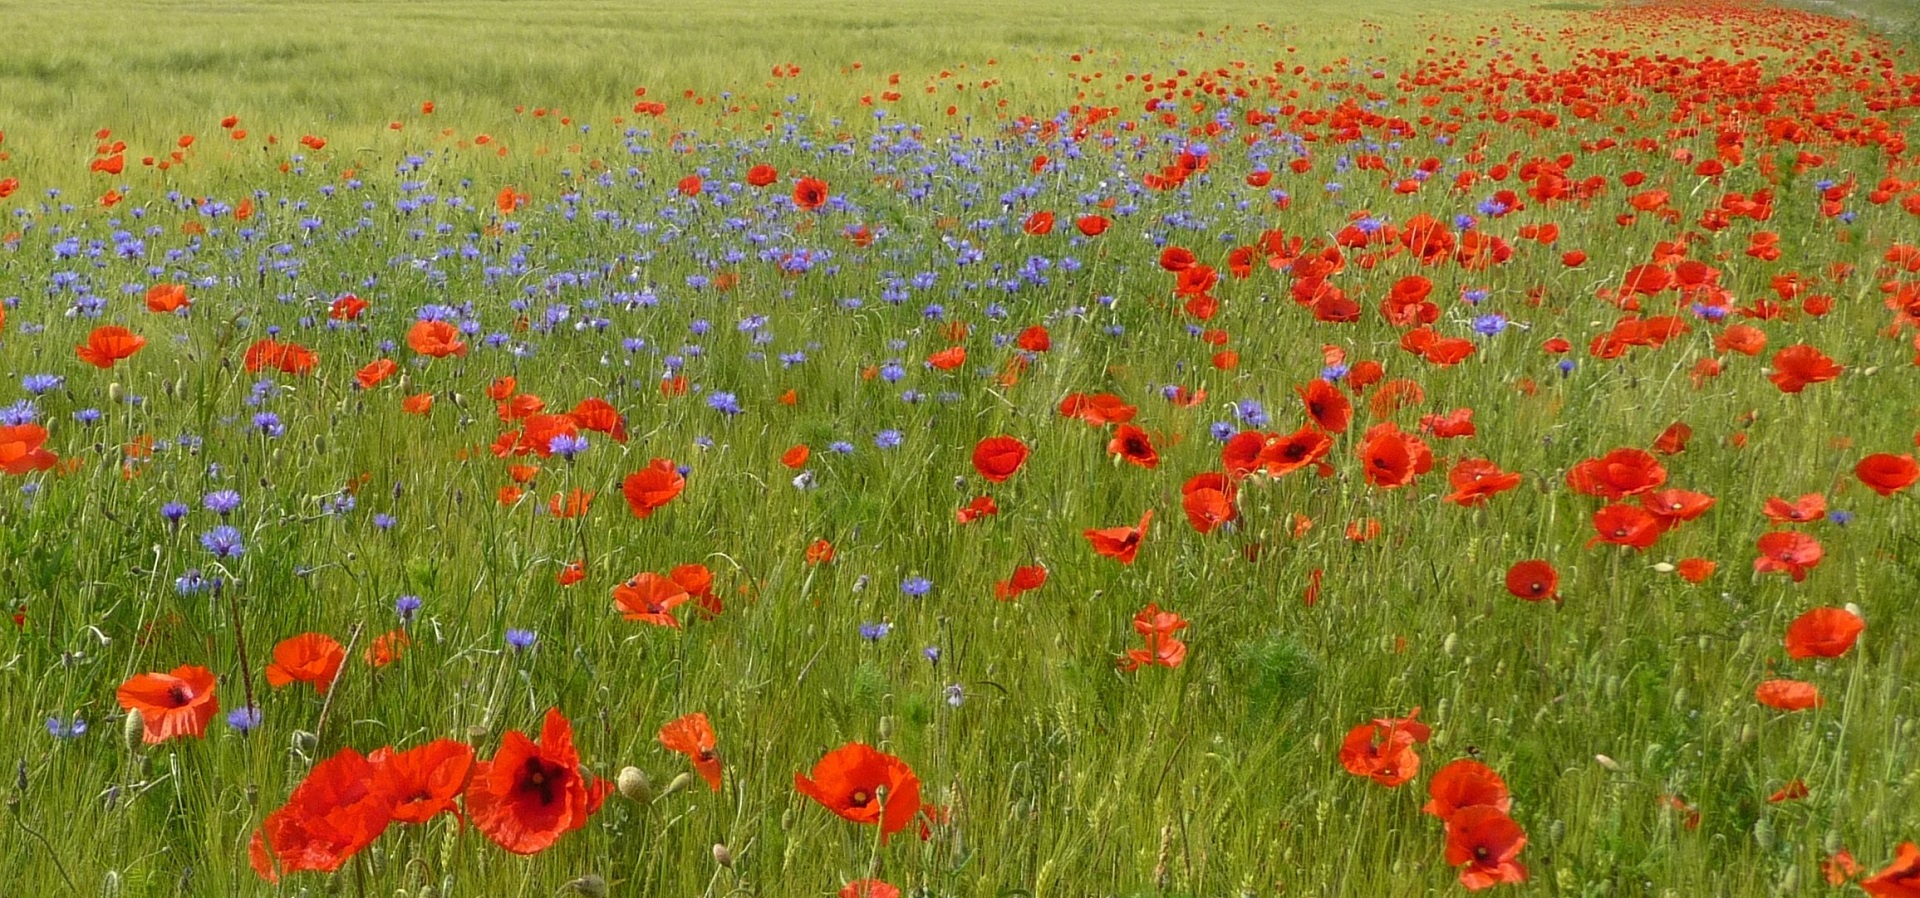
(1163, 648)
(438, 339)
(167, 298)
(1797, 366)
(652, 487)
(1696, 570)
(1823, 633)
(1099, 409)
(1393, 459)
(1025, 579)
(177, 703)
(599, 415)
(1887, 474)
(981, 506)
(370, 375)
(1383, 749)
(762, 175)
(1035, 339)
(1675, 507)
(22, 449)
(1039, 224)
(1279, 456)
(1901, 879)
(1793, 791)
(532, 793)
(1456, 423)
(1326, 405)
(1133, 444)
(1790, 552)
(1625, 525)
(1484, 841)
(336, 811)
(796, 456)
(810, 193)
(1465, 783)
(692, 736)
(1617, 475)
(651, 598)
(108, 345)
(1808, 508)
(865, 786)
(1092, 225)
(1120, 543)
(1208, 501)
(386, 648)
(308, 658)
(1475, 480)
(869, 888)
(424, 781)
(689, 185)
(1533, 580)
(998, 458)
(1673, 440)
(1788, 695)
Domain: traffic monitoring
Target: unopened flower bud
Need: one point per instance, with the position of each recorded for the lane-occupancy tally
(135, 729)
(116, 392)
(633, 783)
(304, 742)
(1607, 762)
(679, 782)
(722, 856)
(590, 885)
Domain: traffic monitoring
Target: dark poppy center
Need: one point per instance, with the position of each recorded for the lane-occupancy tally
(860, 798)
(180, 695)
(1480, 852)
(538, 777)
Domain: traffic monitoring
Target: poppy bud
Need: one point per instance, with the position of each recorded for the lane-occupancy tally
(1789, 881)
(135, 729)
(1608, 763)
(1855, 611)
(786, 820)
(632, 783)
(679, 782)
(1830, 843)
(886, 727)
(722, 856)
(110, 885)
(1556, 831)
(590, 885)
(1763, 834)
(1450, 643)
(319, 443)
(1664, 568)
(305, 742)
(1747, 734)
(459, 401)
(116, 392)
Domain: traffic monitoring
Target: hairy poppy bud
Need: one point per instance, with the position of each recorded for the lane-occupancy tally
(1608, 763)
(135, 729)
(632, 782)
(116, 392)
(1664, 568)
(679, 782)
(722, 856)
(1763, 834)
(590, 885)
(304, 742)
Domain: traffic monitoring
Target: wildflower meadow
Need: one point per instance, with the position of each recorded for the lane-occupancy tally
(976, 449)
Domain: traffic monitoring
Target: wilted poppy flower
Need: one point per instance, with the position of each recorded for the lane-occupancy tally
(652, 487)
(1793, 791)
(1533, 580)
(864, 785)
(1483, 841)
(1823, 633)
(692, 736)
(1887, 474)
(1465, 783)
(532, 793)
(1120, 543)
(176, 703)
(998, 458)
(386, 648)
(1788, 695)
(424, 781)
(108, 345)
(339, 809)
(1788, 551)
(308, 658)
(1901, 879)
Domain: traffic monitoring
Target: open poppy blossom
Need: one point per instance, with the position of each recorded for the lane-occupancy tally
(1120, 543)
(1474, 480)
(1533, 581)
(1900, 879)
(108, 345)
(1462, 784)
(1887, 474)
(308, 658)
(1804, 510)
(532, 792)
(1617, 475)
(692, 735)
(864, 785)
(1163, 648)
(809, 193)
(177, 703)
(1026, 578)
(1625, 525)
(1484, 842)
(1823, 633)
(1789, 552)
(1133, 444)
(337, 810)
(652, 487)
(423, 781)
(1797, 367)
(1383, 750)
(23, 449)
(1788, 695)
(998, 458)
(1327, 406)
(167, 298)
(650, 598)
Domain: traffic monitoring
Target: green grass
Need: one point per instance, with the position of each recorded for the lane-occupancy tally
(1065, 776)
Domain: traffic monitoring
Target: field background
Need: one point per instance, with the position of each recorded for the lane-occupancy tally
(1066, 777)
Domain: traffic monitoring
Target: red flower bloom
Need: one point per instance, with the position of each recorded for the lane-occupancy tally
(531, 793)
(1823, 633)
(1533, 580)
(998, 458)
(1463, 784)
(22, 449)
(1024, 579)
(1617, 475)
(336, 811)
(424, 781)
(177, 703)
(1163, 648)
(1383, 750)
(651, 598)
(1797, 366)
(1901, 879)
(1625, 525)
(865, 786)
(1808, 508)
(810, 193)
(1327, 406)
(308, 658)
(1789, 551)
(652, 487)
(1474, 480)
(1788, 695)
(1092, 225)
(1120, 543)
(692, 736)
(1887, 474)
(108, 345)
(1133, 444)
(1484, 841)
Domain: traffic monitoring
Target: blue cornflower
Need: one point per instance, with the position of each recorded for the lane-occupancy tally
(1333, 373)
(520, 640)
(222, 502)
(873, 632)
(87, 415)
(383, 521)
(1490, 325)
(1223, 430)
(725, 403)
(174, 512)
(567, 445)
(61, 729)
(38, 384)
(915, 587)
(887, 439)
(244, 718)
(840, 447)
(1841, 518)
(407, 607)
(931, 653)
(955, 696)
(223, 542)
(269, 424)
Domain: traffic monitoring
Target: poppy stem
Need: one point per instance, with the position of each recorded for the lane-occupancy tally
(14, 806)
(240, 646)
